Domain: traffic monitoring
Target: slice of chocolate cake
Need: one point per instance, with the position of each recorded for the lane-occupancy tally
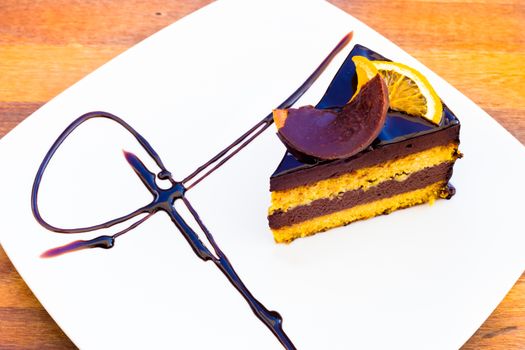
(409, 162)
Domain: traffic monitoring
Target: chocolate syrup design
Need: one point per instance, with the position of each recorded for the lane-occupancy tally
(164, 199)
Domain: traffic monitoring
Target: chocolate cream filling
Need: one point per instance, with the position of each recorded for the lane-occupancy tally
(346, 200)
(373, 155)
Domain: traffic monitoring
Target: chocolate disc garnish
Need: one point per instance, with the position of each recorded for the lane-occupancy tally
(326, 134)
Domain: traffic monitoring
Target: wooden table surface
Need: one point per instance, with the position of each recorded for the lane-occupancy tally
(47, 45)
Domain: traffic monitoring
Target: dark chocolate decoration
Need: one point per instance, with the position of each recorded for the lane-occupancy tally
(326, 134)
(164, 199)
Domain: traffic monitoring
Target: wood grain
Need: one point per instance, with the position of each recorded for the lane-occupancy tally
(47, 45)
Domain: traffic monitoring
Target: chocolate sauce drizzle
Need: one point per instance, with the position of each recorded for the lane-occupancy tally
(164, 199)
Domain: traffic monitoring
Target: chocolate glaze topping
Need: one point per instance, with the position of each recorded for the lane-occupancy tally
(401, 134)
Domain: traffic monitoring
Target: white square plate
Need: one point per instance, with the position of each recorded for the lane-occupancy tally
(425, 277)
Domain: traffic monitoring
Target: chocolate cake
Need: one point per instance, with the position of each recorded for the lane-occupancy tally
(409, 162)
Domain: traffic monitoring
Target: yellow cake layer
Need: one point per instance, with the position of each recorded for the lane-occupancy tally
(363, 178)
(364, 211)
